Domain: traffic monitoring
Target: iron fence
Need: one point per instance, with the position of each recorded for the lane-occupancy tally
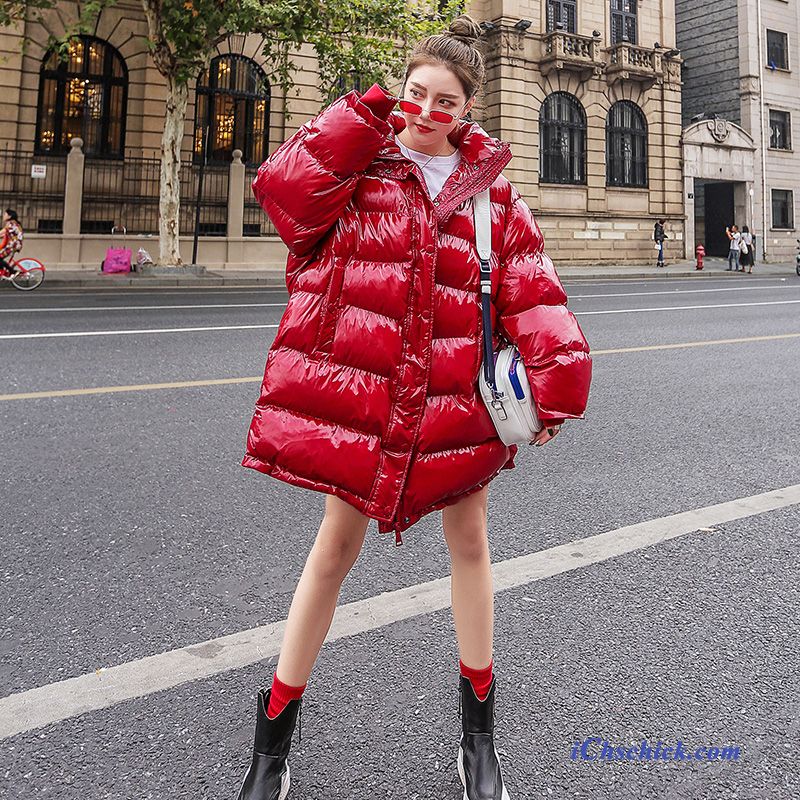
(34, 187)
(256, 222)
(126, 193)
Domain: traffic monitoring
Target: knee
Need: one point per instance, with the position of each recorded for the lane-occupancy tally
(468, 543)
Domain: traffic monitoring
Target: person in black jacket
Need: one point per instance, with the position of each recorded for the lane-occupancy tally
(658, 238)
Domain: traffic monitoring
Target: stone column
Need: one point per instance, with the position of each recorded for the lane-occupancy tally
(73, 204)
(235, 250)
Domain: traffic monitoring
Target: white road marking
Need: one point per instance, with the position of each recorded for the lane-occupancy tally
(690, 291)
(106, 687)
(132, 332)
(140, 308)
(684, 308)
(187, 307)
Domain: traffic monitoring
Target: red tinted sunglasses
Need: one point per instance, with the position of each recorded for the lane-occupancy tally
(409, 107)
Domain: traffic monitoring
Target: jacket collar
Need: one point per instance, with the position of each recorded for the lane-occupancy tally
(483, 158)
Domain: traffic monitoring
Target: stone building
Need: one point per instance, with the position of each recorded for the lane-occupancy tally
(588, 95)
(739, 98)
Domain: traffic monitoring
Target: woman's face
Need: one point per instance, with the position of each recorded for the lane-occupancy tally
(435, 88)
(6, 218)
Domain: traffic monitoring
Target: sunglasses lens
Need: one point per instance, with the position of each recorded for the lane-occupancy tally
(440, 116)
(408, 107)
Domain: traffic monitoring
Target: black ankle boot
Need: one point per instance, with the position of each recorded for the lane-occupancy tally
(478, 762)
(267, 777)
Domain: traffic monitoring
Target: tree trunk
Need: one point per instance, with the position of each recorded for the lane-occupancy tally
(170, 190)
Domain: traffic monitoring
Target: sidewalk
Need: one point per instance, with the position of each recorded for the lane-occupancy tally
(76, 279)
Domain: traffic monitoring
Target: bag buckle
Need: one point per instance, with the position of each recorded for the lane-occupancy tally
(497, 405)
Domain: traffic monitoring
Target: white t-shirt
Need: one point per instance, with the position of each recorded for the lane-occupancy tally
(735, 239)
(435, 170)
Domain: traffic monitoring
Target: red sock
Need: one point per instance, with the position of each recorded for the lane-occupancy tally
(280, 696)
(481, 679)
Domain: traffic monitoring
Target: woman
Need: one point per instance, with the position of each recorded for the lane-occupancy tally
(746, 249)
(369, 390)
(11, 240)
(658, 238)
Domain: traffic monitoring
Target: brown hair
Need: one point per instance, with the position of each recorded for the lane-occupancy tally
(455, 49)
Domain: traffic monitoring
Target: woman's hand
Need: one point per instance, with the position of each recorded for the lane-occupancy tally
(545, 435)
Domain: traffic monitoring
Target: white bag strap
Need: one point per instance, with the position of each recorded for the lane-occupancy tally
(483, 237)
(483, 243)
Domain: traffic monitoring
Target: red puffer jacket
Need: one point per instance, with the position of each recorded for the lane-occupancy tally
(370, 386)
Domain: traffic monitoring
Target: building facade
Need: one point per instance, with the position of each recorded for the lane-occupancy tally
(588, 95)
(740, 101)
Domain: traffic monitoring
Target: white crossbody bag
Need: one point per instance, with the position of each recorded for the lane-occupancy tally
(503, 381)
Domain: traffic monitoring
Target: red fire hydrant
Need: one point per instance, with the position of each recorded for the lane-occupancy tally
(700, 251)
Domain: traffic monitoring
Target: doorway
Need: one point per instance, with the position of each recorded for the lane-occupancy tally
(714, 211)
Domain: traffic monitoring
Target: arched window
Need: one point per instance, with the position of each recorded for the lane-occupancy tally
(233, 99)
(85, 95)
(626, 145)
(562, 139)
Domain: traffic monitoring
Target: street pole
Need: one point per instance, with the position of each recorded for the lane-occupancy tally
(200, 192)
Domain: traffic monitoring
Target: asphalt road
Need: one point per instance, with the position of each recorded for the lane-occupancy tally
(130, 529)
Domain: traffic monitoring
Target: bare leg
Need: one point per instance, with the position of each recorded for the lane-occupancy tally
(472, 596)
(335, 550)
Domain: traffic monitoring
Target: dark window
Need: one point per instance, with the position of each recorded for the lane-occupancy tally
(623, 21)
(780, 130)
(233, 101)
(346, 83)
(562, 139)
(84, 96)
(777, 50)
(782, 208)
(626, 145)
(562, 15)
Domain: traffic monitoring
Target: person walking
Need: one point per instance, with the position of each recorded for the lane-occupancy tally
(10, 240)
(733, 251)
(658, 238)
(746, 250)
(370, 391)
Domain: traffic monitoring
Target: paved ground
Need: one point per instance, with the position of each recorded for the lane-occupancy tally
(130, 529)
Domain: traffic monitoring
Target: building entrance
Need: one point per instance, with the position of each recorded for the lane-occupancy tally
(714, 211)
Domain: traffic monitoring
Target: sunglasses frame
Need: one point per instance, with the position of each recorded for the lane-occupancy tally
(452, 117)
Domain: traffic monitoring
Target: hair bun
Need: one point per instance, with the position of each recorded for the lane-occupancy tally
(465, 29)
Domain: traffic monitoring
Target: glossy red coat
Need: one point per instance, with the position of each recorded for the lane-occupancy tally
(370, 386)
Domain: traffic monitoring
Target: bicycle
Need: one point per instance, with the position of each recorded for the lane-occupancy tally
(29, 274)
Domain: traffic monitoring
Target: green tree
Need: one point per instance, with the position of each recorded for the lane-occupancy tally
(368, 38)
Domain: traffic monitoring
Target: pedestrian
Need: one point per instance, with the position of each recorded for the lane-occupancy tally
(733, 251)
(370, 387)
(746, 250)
(658, 238)
(10, 240)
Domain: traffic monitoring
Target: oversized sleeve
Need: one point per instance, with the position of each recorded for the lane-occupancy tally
(306, 183)
(532, 311)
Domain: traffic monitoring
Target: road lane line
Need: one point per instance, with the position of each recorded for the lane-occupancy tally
(139, 331)
(106, 687)
(690, 291)
(143, 387)
(139, 308)
(682, 345)
(131, 332)
(580, 313)
(192, 307)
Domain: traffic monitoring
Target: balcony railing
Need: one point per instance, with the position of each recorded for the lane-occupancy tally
(570, 51)
(631, 62)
